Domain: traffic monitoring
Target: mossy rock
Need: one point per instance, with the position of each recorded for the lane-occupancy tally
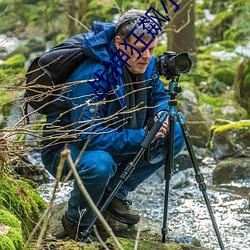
(10, 231)
(128, 244)
(22, 200)
(232, 139)
(231, 169)
(150, 235)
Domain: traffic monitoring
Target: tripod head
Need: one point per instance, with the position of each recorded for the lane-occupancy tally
(174, 89)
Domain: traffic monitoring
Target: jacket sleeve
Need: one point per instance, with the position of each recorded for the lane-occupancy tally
(88, 118)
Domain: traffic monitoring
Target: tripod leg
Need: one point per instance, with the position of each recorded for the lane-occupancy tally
(168, 173)
(129, 168)
(199, 177)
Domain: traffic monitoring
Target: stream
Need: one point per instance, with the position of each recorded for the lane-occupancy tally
(187, 212)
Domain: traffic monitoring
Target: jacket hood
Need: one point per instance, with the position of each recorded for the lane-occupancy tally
(98, 42)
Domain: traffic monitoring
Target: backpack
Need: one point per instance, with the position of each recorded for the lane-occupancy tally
(48, 73)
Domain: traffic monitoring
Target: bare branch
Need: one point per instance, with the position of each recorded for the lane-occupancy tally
(66, 154)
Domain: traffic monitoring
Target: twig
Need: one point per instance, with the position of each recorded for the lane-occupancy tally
(66, 154)
(99, 238)
(77, 21)
(137, 236)
(45, 217)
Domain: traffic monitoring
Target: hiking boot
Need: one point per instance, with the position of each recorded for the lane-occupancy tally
(121, 211)
(75, 231)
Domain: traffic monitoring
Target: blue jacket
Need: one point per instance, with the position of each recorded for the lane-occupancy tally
(106, 132)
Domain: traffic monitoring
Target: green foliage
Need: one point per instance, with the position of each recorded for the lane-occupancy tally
(224, 75)
(214, 101)
(219, 102)
(12, 67)
(160, 49)
(16, 61)
(242, 84)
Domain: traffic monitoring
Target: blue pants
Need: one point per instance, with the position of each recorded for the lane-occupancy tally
(99, 171)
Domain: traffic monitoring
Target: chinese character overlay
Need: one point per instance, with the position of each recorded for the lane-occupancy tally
(138, 39)
(151, 23)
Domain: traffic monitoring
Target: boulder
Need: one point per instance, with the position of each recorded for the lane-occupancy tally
(231, 169)
(150, 235)
(197, 125)
(232, 139)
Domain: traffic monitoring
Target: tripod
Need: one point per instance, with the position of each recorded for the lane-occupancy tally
(173, 90)
(169, 163)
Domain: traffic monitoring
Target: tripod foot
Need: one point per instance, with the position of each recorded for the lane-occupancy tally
(164, 232)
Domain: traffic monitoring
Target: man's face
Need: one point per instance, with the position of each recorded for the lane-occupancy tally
(138, 66)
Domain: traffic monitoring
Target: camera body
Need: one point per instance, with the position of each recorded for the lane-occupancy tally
(171, 65)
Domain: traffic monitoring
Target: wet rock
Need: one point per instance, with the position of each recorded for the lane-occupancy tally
(231, 169)
(181, 179)
(197, 125)
(149, 238)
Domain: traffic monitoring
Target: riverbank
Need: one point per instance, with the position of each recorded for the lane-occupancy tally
(188, 215)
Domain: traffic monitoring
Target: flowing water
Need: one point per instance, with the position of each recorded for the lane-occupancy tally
(187, 212)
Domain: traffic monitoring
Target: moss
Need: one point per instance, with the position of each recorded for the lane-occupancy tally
(13, 71)
(10, 220)
(17, 61)
(236, 125)
(238, 128)
(128, 244)
(212, 100)
(6, 243)
(13, 239)
(228, 45)
(16, 237)
(22, 200)
(219, 103)
(224, 75)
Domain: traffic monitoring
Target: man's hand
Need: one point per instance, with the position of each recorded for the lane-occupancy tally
(164, 128)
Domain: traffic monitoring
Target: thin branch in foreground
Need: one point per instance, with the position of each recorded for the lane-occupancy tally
(67, 155)
(99, 238)
(137, 236)
(46, 216)
(79, 22)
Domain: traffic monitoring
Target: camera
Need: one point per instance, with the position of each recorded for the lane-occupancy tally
(171, 65)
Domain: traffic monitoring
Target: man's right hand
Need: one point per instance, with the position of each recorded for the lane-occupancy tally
(164, 128)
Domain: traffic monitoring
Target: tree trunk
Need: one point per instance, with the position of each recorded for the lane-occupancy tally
(83, 8)
(72, 14)
(181, 34)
